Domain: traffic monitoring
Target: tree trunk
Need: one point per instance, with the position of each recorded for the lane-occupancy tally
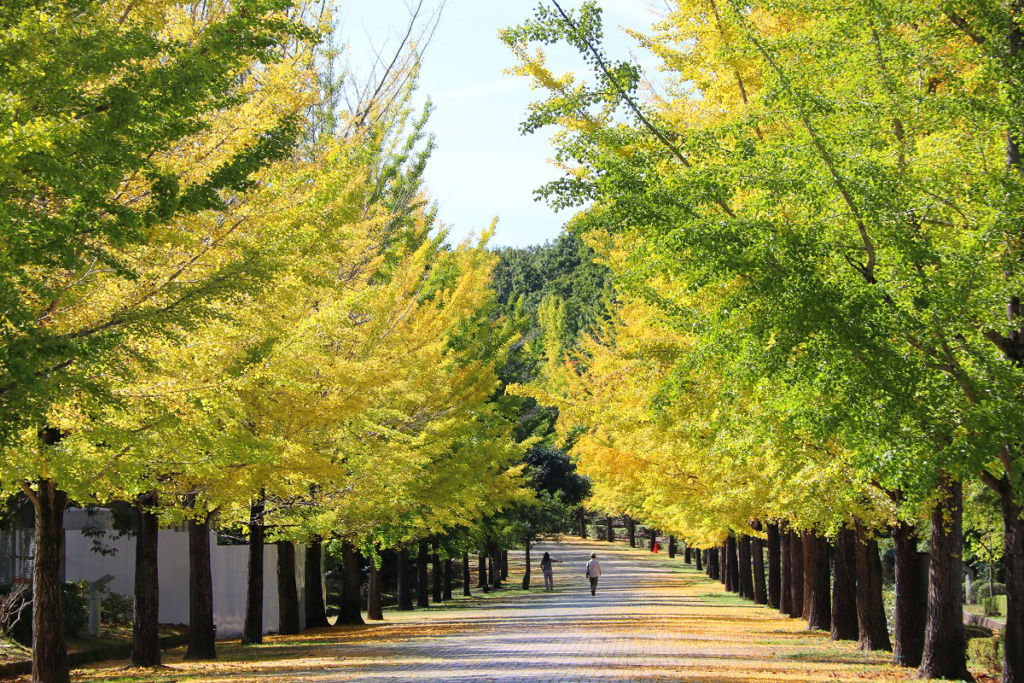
(466, 576)
(687, 553)
(654, 539)
(911, 599)
(526, 572)
(746, 583)
(287, 590)
(495, 569)
(871, 623)
(610, 530)
(785, 573)
(844, 587)
(422, 576)
(202, 638)
(146, 624)
(436, 574)
(809, 550)
(449, 578)
(820, 615)
(714, 568)
(631, 530)
(774, 574)
(1013, 635)
(583, 523)
(404, 581)
(945, 646)
(252, 629)
(482, 572)
(504, 565)
(734, 564)
(49, 650)
(374, 609)
(350, 609)
(316, 608)
(698, 554)
(757, 554)
(671, 547)
(796, 570)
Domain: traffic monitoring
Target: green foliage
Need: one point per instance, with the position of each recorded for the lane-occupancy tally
(74, 96)
(980, 591)
(75, 607)
(995, 606)
(117, 608)
(986, 653)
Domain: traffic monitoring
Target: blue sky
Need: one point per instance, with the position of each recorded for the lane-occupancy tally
(483, 167)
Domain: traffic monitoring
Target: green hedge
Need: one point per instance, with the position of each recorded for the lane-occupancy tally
(995, 606)
(986, 653)
(979, 591)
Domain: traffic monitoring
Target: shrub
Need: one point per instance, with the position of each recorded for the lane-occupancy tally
(117, 608)
(986, 653)
(979, 591)
(75, 607)
(995, 606)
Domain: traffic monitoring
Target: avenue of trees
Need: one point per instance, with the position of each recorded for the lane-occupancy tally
(813, 225)
(786, 322)
(227, 303)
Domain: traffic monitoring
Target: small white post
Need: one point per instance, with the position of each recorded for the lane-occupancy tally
(95, 588)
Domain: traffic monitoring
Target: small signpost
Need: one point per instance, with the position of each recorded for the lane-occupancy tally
(95, 588)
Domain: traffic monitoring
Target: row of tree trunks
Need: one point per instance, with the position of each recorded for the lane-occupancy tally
(316, 607)
(201, 634)
(449, 579)
(374, 607)
(287, 590)
(909, 616)
(146, 622)
(844, 587)
(404, 581)
(796, 569)
(422, 575)
(785, 572)
(350, 609)
(734, 565)
(437, 592)
(945, 646)
(252, 629)
(526, 573)
(49, 649)
(714, 568)
(745, 583)
(757, 552)
(871, 621)
(774, 566)
(817, 573)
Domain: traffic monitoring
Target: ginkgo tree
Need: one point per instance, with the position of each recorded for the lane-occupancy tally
(834, 170)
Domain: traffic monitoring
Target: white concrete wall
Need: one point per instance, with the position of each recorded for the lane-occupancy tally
(229, 568)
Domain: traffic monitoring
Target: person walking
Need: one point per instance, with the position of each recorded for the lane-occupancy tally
(549, 575)
(593, 572)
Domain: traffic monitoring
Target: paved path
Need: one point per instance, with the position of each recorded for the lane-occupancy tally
(652, 620)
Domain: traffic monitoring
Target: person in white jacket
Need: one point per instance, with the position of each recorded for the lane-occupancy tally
(593, 572)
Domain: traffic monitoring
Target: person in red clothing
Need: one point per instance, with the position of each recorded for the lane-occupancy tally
(593, 572)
